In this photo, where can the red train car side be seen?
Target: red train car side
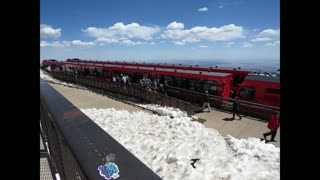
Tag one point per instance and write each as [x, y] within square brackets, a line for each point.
[187, 82]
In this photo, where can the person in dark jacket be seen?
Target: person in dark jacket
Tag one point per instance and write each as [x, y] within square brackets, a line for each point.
[235, 108]
[232, 94]
[206, 102]
[273, 125]
[162, 90]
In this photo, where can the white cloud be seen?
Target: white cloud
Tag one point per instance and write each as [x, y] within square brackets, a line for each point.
[203, 9]
[179, 43]
[220, 6]
[47, 31]
[52, 44]
[260, 39]
[175, 25]
[120, 31]
[130, 43]
[276, 43]
[269, 32]
[177, 32]
[203, 46]
[66, 43]
[81, 43]
[103, 41]
[187, 40]
[246, 44]
[106, 40]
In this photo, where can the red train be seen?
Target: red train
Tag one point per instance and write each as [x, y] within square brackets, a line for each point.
[185, 82]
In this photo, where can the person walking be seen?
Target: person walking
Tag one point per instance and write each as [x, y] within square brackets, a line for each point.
[162, 90]
[206, 102]
[273, 125]
[235, 108]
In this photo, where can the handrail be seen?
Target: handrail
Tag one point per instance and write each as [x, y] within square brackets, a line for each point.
[190, 108]
[230, 99]
[133, 90]
[78, 146]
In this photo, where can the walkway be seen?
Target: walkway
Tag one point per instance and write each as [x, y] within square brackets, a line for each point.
[219, 120]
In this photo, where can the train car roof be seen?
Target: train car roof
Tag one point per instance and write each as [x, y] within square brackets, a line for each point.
[195, 72]
[174, 70]
[275, 79]
[175, 66]
[219, 74]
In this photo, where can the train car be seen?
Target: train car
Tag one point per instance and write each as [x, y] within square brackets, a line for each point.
[185, 79]
[238, 74]
[52, 64]
[260, 88]
[189, 83]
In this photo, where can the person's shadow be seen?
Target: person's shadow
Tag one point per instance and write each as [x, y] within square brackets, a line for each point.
[266, 141]
[228, 119]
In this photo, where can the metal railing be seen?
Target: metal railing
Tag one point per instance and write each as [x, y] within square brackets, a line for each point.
[246, 108]
[133, 90]
[78, 146]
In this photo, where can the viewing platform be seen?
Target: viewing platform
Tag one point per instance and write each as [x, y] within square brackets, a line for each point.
[216, 119]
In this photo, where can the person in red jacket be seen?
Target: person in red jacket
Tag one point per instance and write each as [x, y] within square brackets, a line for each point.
[273, 125]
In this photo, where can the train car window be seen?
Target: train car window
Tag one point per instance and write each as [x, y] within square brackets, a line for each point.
[87, 71]
[180, 82]
[162, 79]
[247, 92]
[104, 73]
[95, 72]
[211, 86]
[199, 86]
[191, 85]
[195, 85]
[213, 89]
[237, 79]
[174, 81]
[169, 80]
[272, 91]
[91, 72]
[136, 77]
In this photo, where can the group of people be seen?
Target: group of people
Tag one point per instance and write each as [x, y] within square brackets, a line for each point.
[121, 79]
[273, 123]
[153, 85]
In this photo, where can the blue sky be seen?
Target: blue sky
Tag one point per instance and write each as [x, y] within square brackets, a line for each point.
[156, 30]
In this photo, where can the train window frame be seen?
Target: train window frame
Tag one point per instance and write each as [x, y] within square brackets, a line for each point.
[195, 85]
[169, 80]
[211, 83]
[249, 94]
[180, 82]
